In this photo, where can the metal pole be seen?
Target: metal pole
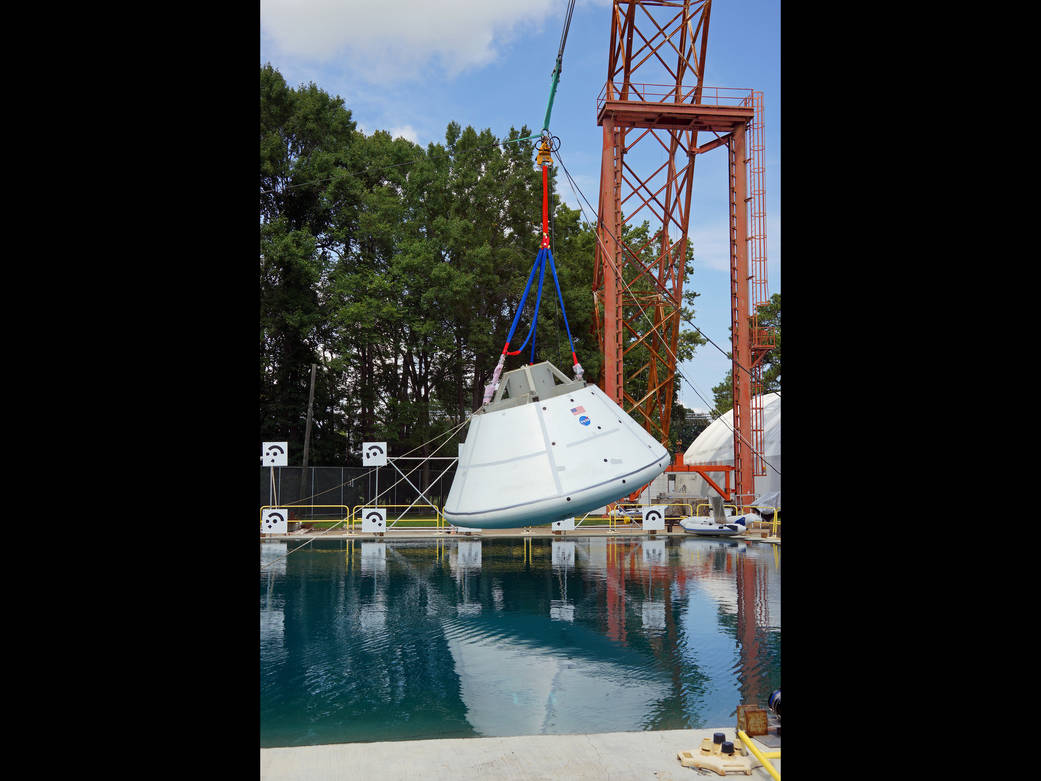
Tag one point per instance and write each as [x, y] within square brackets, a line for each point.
[307, 431]
[609, 228]
[740, 327]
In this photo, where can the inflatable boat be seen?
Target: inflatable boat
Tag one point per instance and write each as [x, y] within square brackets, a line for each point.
[709, 527]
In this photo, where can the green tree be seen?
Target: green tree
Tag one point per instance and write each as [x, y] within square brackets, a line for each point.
[638, 357]
[685, 427]
[723, 394]
[399, 270]
[422, 298]
[305, 137]
[769, 317]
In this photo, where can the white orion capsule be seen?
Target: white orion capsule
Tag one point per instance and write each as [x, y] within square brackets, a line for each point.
[546, 448]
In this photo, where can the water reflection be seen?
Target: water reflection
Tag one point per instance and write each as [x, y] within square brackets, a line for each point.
[563, 555]
[373, 557]
[402, 640]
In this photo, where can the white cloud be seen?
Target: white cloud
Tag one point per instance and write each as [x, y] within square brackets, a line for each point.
[405, 131]
[395, 39]
[711, 246]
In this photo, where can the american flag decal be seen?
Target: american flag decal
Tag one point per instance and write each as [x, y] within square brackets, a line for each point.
[577, 410]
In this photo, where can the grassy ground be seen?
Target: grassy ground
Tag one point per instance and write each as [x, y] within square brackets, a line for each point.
[404, 523]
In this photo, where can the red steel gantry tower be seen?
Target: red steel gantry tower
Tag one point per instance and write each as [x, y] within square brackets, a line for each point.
[653, 107]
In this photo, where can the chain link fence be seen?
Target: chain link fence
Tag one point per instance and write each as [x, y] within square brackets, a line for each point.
[296, 487]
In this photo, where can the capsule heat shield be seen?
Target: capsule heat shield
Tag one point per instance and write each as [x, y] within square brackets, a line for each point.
[548, 448]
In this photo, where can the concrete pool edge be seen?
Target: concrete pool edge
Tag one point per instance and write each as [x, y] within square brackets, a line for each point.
[420, 534]
[612, 755]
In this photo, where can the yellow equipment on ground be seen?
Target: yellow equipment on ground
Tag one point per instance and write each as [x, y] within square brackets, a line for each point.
[720, 756]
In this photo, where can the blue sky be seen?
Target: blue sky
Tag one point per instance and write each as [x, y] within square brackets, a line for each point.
[412, 66]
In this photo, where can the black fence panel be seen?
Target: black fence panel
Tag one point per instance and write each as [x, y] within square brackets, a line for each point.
[297, 486]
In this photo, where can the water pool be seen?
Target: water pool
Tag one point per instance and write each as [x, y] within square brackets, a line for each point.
[409, 640]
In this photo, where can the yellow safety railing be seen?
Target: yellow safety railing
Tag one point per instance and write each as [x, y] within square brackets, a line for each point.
[763, 757]
[627, 505]
[613, 517]
[774, 524]
[707, 504]
[439, 518]
[346, 518]
[622, 509]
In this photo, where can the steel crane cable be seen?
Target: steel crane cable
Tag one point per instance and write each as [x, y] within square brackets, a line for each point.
[719, 417]
[544, 160]
[366, 474]
[618, 241]
[558, 67]
[674, 357]
[545, 253]
[563, 35]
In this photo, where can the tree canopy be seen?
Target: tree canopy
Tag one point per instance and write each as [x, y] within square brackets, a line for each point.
[769, 317]
[397, 270]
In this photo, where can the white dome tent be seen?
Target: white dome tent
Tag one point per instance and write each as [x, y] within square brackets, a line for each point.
[715, 445]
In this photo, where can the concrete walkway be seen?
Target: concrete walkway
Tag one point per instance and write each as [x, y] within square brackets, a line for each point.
[612, 756]
[537, 532]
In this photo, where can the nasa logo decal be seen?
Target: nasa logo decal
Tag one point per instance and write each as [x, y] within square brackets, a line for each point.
[584, 420]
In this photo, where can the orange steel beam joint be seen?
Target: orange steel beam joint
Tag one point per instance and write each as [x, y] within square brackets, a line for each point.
[703, 470]
[652, 108]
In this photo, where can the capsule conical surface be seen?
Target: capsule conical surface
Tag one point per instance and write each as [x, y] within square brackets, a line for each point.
[548, 448]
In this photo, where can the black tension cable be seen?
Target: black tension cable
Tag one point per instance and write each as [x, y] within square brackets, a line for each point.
[558, 67]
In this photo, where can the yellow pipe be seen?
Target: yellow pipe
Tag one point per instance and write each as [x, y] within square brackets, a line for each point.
[759, 755]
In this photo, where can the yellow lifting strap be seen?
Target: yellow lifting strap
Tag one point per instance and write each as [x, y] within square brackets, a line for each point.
[544, 156]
